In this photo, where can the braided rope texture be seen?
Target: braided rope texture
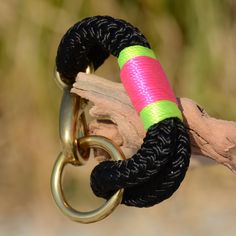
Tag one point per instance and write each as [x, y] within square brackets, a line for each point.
[91, 41]
[155, 172]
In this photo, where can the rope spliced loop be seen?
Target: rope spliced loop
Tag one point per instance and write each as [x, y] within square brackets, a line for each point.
[155, 172]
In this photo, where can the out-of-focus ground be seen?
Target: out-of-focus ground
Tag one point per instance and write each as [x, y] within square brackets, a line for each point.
[194, 40]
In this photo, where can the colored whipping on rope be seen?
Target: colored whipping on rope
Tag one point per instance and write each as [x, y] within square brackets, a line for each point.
[147, 85]
[155, 172]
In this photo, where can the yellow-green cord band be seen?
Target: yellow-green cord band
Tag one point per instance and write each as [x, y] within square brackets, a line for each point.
[158, 111]
[134, 51]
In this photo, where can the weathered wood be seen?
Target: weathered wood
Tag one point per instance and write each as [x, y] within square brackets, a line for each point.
[210, 137]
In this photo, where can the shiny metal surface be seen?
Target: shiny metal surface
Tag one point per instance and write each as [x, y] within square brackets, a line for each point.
[76, 145]
[72, 125]
[56, 182]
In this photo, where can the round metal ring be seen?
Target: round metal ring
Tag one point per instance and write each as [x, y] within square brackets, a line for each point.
[72, 125]
[61, 84]
[56, 183]
[72, 121]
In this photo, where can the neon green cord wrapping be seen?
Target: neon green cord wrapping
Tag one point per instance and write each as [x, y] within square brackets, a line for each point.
[158, 111]
[134, 51]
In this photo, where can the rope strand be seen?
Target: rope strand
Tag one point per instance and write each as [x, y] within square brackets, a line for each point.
[155, 172]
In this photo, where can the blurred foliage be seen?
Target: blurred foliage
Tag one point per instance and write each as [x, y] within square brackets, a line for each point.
[194, 40]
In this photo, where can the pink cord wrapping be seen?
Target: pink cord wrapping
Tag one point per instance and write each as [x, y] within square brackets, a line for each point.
[145, 82]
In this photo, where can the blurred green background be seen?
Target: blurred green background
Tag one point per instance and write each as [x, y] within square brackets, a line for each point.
[195, 42]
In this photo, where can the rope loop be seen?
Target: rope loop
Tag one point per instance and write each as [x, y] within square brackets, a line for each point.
[155, 172]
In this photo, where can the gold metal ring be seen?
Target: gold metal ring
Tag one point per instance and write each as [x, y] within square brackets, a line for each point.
[61, 84]
[72, 125]
[56, 183]
[72, 122]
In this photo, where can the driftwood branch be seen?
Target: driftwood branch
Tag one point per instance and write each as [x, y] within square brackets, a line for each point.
[116, 119]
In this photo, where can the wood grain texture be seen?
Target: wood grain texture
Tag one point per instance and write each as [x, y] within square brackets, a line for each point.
[116, 119]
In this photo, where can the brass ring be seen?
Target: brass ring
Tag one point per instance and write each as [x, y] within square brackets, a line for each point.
[60, 83]
[56, 183]
[72, 125]
[72, 122]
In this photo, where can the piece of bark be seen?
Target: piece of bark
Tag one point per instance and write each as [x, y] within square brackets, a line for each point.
[116, 119]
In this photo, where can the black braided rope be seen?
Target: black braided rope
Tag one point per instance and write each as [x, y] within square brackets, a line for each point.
[155, 172]
[91, 41]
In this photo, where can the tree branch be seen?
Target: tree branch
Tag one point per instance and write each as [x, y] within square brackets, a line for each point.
[116, 119]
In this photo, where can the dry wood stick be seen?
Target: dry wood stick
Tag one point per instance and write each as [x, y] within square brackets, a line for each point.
[210, 137]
